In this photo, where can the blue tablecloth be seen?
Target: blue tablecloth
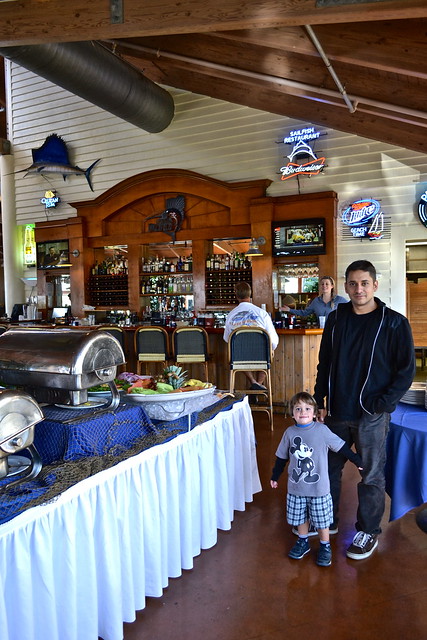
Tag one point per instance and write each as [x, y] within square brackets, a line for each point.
[406, 467]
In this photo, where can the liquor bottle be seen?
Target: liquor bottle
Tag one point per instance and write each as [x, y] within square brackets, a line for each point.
[208, 262]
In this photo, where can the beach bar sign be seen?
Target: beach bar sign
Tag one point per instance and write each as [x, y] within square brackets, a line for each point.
[364, 219]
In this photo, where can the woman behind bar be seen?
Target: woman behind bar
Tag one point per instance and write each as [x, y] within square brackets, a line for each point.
[326, 302]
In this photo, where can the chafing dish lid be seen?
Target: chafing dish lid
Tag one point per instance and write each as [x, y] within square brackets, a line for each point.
[58, 351]
[18, 411]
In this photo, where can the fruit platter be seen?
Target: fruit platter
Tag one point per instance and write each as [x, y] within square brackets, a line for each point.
[171, 395]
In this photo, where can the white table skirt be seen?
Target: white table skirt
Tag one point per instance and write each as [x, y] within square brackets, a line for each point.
[76, 568]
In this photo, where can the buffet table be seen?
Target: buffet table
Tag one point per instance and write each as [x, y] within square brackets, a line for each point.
[78, 567]
[406, 467]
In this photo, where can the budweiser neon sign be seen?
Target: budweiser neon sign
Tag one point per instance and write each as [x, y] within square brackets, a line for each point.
[299, 139]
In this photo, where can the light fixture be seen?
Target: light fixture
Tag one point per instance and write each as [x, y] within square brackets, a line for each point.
[254, 249]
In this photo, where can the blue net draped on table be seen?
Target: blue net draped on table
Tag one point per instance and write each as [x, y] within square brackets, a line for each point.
[94, 434]
[75, 451]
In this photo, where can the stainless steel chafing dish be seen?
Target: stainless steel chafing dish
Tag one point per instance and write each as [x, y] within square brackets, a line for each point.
[60, 365]
[19, 413]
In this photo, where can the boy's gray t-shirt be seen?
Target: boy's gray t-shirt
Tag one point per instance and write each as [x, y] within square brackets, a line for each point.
[306, 448]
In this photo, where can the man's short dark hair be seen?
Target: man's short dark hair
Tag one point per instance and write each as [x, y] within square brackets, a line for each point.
[242, 290]
[361, 265]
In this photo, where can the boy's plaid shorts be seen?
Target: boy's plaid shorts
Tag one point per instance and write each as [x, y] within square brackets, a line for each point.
[317, 509]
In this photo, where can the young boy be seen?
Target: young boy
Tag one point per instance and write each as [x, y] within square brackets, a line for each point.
[306, 446]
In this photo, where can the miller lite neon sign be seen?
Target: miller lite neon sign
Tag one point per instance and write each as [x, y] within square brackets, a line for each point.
[365, 219]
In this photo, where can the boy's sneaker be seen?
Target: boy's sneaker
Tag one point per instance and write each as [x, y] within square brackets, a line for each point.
[362, 546]
[313, 532]
[324, 555]
[300, 549]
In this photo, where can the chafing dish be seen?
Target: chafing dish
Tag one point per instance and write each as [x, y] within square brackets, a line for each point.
[19, 413]
[59, 365]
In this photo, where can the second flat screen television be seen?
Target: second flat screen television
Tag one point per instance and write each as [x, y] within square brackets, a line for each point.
[299, 237]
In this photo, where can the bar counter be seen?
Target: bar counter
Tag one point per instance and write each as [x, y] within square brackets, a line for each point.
[294, 363]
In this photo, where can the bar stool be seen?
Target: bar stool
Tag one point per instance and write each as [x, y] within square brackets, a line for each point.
[116, 332]
[249, 349]
[151, 345]
[119, 334]
[191, 345]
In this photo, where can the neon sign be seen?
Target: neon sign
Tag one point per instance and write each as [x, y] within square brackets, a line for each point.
[365, 219]
[29, 246]
[299, 139]
[50, 199]
[422, 209]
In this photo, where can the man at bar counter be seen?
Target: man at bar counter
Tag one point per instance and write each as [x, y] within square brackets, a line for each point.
[249, 315]
[366, 364]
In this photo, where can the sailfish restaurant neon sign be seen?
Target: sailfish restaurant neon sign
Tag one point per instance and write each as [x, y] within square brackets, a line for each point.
[299, 138]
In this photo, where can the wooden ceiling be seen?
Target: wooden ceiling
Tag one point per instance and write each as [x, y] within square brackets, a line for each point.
[262, 54]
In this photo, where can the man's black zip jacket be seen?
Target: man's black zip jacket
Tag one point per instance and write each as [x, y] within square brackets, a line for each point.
[372, 373]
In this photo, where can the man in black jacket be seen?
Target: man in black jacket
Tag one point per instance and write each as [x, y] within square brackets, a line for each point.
[366, 364]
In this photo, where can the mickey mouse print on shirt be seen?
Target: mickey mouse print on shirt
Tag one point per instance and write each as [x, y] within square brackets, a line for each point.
[305, 465]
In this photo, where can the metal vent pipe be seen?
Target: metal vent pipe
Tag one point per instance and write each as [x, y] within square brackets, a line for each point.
[94, 73]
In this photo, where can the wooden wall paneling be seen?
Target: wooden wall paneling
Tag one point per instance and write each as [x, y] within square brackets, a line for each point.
[417, 310]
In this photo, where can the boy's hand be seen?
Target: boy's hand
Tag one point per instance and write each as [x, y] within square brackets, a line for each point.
[274, 484]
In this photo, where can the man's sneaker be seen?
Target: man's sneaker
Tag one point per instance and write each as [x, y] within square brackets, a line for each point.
[300, 549]
[362, 546]
[313, 532]
[324, 555]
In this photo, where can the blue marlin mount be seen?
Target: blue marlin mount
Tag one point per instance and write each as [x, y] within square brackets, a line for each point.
[52, 157]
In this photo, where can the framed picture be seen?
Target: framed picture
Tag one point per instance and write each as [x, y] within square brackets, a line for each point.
[52, 255]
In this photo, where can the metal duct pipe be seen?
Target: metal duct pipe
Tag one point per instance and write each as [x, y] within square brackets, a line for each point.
[94, 73]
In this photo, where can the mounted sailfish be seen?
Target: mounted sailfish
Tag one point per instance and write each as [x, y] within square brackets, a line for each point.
[52, 157]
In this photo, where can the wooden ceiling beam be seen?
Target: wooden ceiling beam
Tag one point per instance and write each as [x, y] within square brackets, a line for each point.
[229, 59]
[396, 46]
[38, 21]
[367, 122]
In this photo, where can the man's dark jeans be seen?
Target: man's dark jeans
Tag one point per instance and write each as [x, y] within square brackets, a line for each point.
[369, 435]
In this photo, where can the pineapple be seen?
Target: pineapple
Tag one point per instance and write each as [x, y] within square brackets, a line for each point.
[175, 376]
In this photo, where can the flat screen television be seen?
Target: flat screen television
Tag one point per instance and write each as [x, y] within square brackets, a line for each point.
[299, 237]
[52, 255]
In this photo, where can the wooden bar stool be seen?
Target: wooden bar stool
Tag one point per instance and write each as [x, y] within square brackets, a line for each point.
[151, 345]
[249, 349]
[191, 345]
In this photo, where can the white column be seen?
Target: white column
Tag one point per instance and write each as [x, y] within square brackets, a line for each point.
[13, 286]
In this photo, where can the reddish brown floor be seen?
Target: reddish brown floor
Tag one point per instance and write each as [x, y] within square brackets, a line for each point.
[246, 588]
